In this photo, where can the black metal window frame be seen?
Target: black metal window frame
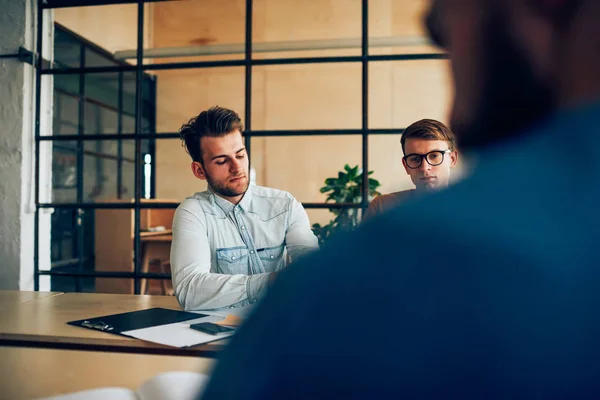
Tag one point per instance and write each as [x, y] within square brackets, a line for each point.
[76, 232]
[46, 68]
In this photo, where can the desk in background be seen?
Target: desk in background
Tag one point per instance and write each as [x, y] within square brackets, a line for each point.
[114, 244]
[156, 250]
[27, 373]
[43, 323]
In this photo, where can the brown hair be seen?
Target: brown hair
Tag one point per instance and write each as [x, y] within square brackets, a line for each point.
[214, 122]
[428, 129]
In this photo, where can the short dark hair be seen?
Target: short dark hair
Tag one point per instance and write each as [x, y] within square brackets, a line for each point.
[214, 122]
[428, 129]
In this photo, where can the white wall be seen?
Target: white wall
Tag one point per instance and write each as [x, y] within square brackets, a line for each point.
[17, 151]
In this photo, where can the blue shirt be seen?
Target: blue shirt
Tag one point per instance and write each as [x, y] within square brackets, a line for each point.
[490, 289]
[222, 253]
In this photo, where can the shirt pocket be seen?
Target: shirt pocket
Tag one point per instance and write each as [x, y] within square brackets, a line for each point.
[233, 260]
[272, 258]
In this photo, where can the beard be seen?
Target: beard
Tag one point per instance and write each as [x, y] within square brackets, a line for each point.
[513, 98]
[224, 189]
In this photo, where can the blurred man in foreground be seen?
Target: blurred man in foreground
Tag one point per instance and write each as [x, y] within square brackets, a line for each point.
[493, 295]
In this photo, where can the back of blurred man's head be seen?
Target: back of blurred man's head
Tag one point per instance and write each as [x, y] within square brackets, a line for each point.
[516, 61]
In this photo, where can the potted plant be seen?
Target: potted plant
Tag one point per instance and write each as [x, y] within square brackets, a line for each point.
[345, 188]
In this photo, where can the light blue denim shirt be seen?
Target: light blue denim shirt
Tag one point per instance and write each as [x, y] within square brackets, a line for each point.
[222, 254]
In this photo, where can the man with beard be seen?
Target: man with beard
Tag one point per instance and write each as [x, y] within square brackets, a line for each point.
[486, 290]
[230, 241]
[429, 156]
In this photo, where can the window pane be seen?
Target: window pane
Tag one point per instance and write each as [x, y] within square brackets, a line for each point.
[67, 49]
[397, 27]
[174, 178]
[101, 107]
[385, 159]
[317, 28]
[402, 92]
[110, 27]
[64, 172]
[64, 247]
[103, 166]
[72, 249]
[109, 103]
[193, 30]
[114, 246]
[102, 240]
[309, 96]
[182, 94]
[300, 165]
[66, 105]
[110, 96]
[72, 284]
[98, 57]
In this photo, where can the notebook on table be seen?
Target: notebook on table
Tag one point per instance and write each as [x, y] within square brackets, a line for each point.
[157, 325]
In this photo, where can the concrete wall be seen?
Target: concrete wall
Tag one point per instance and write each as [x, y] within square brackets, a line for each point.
[17, 205]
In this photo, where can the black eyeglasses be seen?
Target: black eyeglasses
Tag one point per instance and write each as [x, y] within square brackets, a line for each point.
[434, 158]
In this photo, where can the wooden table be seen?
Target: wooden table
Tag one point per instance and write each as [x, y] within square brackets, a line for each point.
[8, 298]
[43, 323]
[27, 373]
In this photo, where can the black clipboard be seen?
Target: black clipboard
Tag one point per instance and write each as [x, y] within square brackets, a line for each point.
[118, 323]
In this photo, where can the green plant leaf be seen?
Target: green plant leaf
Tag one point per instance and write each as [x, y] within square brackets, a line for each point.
[345, 188]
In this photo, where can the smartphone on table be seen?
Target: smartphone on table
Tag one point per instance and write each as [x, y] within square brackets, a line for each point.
[211, 329]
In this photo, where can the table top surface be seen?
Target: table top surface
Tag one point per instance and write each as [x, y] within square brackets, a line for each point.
[42, 322]
[12, 297]
[28, 373]
[157, 238]
[154, 233]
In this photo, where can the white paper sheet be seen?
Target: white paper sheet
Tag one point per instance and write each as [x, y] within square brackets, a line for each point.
[174, 385]
[179, 334]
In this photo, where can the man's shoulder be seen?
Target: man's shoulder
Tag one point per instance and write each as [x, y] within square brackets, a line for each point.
[269, 202]
[386, 202]
[196, 203]
[393, 198]
[266, 192]
[197, 198]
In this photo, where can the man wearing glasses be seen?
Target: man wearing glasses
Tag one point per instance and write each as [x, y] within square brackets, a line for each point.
[429, 156]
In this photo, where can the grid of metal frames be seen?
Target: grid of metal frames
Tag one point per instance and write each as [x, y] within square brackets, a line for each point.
[45, 68]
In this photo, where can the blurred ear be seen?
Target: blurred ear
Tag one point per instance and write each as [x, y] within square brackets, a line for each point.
[198, 170]
[405, 166]
[453, 158]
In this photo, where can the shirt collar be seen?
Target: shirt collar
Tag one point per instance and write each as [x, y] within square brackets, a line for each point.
[228, 206]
